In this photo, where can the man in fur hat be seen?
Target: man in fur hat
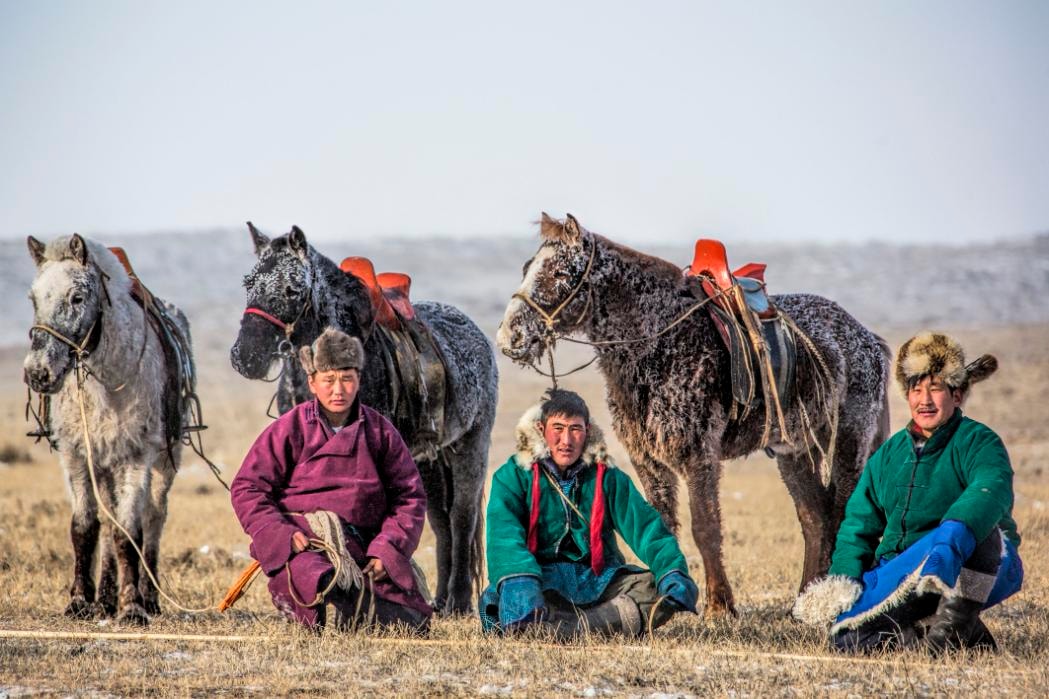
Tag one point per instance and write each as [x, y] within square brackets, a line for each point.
[332, 480]
[553, 513]
[928, 540]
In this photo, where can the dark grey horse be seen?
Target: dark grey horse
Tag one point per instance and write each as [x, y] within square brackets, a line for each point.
[670, 396]
[296, 284]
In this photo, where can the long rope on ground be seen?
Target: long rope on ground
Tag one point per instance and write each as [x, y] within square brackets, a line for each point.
[656, 647]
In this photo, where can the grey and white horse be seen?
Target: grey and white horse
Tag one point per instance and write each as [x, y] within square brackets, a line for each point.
[84, 313]
[670, 395]
[305, 292]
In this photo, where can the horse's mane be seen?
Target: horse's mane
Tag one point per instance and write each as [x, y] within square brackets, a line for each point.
[650, 265]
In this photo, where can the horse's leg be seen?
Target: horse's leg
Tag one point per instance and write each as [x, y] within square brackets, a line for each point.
[106, 599]
[437, 494]
[84, 534]
[800, 473]
[131, 486]
[703, 480]
[468, 461]
[154, 515]
[660, 485]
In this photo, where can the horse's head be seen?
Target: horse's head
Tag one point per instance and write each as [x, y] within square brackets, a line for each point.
[554, 296]
[279, 302]
[67, 296]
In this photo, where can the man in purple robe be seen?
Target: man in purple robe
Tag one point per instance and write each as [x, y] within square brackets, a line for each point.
[334, 457]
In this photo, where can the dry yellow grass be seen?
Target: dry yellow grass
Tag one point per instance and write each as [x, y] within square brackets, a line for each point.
[760, 653]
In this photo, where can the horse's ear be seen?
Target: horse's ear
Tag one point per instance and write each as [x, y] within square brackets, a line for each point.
[550, 228]
[573, 231]
[259, 240]
[297, 241]
[78, 248]
[36, 250]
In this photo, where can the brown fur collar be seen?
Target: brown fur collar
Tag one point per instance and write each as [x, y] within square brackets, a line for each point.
[531, 446]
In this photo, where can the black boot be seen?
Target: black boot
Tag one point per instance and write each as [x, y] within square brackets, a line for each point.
[357, 611]
[957, 625]
[617, 615]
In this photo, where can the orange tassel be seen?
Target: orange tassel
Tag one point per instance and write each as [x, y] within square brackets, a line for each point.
[238, 588]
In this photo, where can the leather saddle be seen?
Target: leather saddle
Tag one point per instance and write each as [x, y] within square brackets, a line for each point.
[181, 376]
[411, 355]
[750, 325]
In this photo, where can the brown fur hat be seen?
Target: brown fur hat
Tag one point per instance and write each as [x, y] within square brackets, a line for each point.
[334, 349]
[935, 354]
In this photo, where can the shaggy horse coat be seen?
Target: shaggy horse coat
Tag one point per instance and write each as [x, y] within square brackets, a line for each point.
[670, 396]
[82, 291]
[296, 284]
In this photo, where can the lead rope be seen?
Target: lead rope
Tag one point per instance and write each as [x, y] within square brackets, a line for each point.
[102, 506]
[550, 337]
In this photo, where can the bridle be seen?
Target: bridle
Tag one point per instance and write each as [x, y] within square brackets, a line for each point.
[550, 336]
[550, 319]
[285, 346]
[81, 350]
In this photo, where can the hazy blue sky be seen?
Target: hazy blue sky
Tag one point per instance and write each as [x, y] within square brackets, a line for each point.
[836, 120]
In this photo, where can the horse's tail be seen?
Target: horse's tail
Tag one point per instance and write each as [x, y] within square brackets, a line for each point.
[883, 418]
[477, 548]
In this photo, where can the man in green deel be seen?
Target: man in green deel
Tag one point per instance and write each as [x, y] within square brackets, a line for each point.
[553, 513]
[928, 540]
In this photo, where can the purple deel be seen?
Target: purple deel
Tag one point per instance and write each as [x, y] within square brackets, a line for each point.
[363, 473]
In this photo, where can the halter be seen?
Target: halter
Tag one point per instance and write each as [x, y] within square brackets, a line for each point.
[550, 319]
[285, 345]
[79, 350]
[550, 337]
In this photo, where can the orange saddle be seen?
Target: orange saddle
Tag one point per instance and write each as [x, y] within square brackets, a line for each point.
[710, 264]
[388, 292]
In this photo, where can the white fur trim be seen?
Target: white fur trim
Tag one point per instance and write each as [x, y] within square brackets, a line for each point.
[824, 599]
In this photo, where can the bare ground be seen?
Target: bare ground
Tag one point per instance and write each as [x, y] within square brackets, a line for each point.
[760, 653]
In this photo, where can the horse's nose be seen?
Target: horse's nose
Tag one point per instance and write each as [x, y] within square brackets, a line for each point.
[38, 376]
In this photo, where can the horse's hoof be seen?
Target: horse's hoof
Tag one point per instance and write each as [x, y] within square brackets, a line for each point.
[151, 606]
[719, 612]
[453, 609]
[133, 614]
[80, 608]
[100, 610]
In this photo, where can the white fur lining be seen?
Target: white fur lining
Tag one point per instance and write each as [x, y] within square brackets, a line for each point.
[531, 446]
[824, 599]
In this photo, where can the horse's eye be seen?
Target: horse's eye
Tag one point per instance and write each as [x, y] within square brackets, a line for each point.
[289, 291]
[77, 299]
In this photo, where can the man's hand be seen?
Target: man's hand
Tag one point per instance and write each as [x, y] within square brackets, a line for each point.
[299, 542]
[376, 568]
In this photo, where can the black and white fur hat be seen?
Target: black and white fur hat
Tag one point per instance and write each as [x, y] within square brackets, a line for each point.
[334, 349]
[935, 354]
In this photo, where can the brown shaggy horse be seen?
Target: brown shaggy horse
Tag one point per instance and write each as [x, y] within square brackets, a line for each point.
[670, 396]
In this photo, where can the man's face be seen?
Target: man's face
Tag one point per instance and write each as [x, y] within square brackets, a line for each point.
[565, 435]
[335, 390]
[932, 403]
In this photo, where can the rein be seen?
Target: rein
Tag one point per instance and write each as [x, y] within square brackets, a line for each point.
[88, 455]
[550, 336]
